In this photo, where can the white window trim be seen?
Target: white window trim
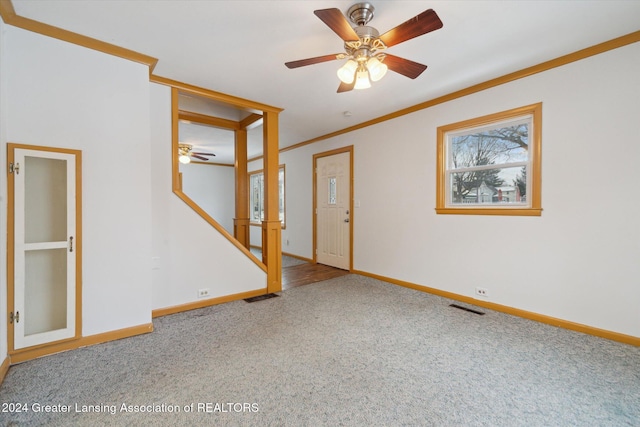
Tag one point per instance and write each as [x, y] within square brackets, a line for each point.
[252, 221]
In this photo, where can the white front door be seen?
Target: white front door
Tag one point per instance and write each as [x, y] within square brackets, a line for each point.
[45, 245]
[333, 210]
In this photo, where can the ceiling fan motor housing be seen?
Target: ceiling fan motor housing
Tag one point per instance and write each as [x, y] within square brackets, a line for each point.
[368, 44]
[361, 13]
[184, 149]
[365, 31]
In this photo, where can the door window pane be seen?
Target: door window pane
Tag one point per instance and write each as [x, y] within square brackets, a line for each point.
[45, 210]
[332, 190]
[45, 302]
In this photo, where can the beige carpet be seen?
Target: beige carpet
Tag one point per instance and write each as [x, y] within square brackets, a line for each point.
[350, 351]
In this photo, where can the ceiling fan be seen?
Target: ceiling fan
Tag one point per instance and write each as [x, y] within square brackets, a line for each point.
[185, 154]
[364, 46]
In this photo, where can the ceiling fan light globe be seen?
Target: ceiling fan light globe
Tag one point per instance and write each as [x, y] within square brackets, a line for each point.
[362, 80]
[377, 69]
[347, 72]
[184, 159]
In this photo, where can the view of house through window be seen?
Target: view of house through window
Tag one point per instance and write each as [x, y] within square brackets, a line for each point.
[489, 163]
[256, 196]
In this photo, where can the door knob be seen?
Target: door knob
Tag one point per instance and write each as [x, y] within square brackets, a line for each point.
[346, 220]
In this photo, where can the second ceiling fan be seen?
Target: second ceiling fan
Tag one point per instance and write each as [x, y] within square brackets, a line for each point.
[185, 153]
[365, 47]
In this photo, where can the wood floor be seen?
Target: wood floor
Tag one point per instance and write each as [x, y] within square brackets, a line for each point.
[305, 274]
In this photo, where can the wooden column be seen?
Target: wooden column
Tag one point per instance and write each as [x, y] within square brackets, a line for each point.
[271, 226]
[241, 220]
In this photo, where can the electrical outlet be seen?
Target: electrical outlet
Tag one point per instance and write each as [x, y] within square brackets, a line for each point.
[482, 292]
[202, 293]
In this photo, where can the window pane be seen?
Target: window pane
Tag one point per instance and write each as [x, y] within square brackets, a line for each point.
[490, 165]
[256, 197]
[505, 144]
[500, 186]
[281, 194]
[332, 191]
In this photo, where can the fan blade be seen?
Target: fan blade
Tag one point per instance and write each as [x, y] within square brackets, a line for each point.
[202, 154]
[346, 87]
[421, 24]
[199, 157]
[403, 66]
[335, 20]
[311, 61]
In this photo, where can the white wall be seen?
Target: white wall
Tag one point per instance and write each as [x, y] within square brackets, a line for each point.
[143, 248]
[577, 262]
[213, 188]
[255, 236]
[188, 253]
[62, 95]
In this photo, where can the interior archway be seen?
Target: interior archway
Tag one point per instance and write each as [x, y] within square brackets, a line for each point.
[248, 120]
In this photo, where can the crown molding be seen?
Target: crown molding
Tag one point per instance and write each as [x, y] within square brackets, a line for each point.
[526, 72]
[9, 16]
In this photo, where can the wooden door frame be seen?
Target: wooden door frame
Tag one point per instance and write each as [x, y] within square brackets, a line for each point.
[11, 247]
[347, 149]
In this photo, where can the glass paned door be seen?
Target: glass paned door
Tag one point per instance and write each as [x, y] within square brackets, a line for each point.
[44, 188]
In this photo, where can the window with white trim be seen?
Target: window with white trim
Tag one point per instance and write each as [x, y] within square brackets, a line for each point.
[491, 165]
[256, 196]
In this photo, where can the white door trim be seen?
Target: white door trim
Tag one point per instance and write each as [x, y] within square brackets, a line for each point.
[18, 248]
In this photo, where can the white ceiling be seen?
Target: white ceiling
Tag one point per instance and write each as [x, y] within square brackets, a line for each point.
[240, 47]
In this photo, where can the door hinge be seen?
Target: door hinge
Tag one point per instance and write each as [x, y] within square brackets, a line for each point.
[14, 168]
[15, 317]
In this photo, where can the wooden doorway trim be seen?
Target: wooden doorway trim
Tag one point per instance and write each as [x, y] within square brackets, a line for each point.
[347, 149]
